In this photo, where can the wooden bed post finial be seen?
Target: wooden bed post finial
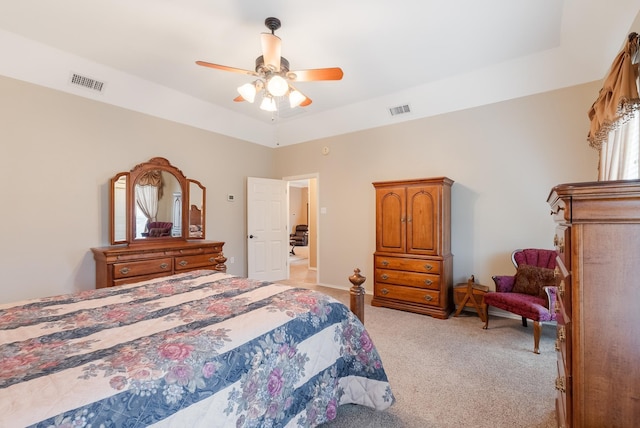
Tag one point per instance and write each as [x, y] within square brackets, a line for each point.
[357, 294]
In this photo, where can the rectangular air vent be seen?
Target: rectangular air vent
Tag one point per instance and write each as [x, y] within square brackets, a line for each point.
[403, 109]
[86, 82]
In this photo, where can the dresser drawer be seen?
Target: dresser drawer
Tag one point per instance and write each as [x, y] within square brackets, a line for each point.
[194, 262]
[413, 265]
[410, 294]
[412, 279]
[145, 267]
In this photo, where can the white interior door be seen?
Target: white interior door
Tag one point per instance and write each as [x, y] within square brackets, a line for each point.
[267, 230]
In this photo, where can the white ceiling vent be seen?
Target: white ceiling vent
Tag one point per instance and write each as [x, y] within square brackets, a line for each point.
[86, 82]
[403, 109]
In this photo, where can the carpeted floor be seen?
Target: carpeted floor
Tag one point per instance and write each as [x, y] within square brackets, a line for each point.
[452, 373]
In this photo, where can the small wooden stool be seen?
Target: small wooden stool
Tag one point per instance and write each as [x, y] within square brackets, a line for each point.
[471, 294]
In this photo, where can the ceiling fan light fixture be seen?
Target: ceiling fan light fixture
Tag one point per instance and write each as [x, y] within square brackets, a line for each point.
[248, 91]
[296, 98]
[268, 104]
[277, 86]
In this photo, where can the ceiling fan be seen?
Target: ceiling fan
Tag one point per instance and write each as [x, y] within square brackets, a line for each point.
[274, 79]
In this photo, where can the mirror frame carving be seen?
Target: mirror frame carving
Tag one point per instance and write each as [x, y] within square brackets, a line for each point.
[116, 206]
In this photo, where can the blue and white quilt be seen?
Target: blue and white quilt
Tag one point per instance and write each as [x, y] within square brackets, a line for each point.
[195, 349]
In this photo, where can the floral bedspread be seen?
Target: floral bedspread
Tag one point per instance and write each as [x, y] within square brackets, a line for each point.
[196, 349]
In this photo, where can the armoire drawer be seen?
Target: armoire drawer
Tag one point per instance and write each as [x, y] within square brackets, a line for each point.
[413, 265]
[409, 294]
[145, 267]
[193, 262]
[412, 279]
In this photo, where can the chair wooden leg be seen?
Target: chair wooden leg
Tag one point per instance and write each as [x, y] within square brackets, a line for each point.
[486, 317]
[537, 329]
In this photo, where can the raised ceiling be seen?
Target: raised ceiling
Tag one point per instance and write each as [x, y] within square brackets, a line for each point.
[434, 56]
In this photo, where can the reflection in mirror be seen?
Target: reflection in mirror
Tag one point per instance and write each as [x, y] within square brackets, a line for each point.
[119, 209]
[153, 202]
[156, 194]
[196, 215]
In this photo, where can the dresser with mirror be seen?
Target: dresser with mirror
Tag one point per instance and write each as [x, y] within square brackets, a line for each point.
[156, 226]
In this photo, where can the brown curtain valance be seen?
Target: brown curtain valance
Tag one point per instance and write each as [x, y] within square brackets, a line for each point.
[152, 178]
[618, 97]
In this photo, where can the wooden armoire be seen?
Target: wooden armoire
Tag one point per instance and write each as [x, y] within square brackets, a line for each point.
[598, 307]
[413, 261]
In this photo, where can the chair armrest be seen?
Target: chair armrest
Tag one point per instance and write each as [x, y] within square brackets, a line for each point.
[504, 283]
[551, 297]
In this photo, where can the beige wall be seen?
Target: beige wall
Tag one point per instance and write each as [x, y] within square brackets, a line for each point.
[58, 152]
[504, 158]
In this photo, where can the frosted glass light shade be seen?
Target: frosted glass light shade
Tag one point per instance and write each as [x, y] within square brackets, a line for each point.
[268, 104]
[248, 92]
[277, 86]
[296, 98]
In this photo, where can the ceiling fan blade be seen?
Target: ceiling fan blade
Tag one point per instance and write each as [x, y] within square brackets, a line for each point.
[333, 73]
[271, 49]
[238, 99]
[306, 102]
[226, 68]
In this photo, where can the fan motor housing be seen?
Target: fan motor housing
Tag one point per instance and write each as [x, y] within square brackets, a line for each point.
[260, 67]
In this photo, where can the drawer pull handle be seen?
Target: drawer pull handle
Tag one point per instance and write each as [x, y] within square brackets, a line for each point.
[428, 267]
[561, 288]
[183, 263]
[385, 276]
[124, 270]
[164, 266]
[558, 242]
[428, 298]
[385, 263]
[428, 281]
[560, 385]
[212, 259]
[384, 291]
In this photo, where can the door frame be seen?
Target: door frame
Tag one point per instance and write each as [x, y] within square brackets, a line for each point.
[315, 176]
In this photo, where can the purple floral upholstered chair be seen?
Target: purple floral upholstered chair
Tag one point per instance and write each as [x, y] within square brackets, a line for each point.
[530, 293]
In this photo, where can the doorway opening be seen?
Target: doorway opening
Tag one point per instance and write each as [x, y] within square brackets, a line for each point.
[303, 255]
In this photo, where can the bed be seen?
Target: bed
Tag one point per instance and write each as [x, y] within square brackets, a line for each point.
[195, 222]
[201, 348]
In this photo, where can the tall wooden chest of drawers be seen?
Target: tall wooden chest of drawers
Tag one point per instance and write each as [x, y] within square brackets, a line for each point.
[413, 262]
[598, 343]
[125, 264]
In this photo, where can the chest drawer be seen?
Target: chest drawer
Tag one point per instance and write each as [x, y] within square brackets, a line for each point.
[144, 267]
[413, 265]
[410, 294]
[194, 262]
[412, 279]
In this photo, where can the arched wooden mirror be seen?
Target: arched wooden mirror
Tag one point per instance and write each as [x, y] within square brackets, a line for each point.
[155, 201]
